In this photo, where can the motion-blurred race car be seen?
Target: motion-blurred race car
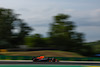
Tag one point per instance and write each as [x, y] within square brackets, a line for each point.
[43, 59]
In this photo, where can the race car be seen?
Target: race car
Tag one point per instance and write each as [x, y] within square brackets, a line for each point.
[42, 59]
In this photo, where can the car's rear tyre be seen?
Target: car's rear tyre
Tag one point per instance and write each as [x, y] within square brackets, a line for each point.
[50, 60]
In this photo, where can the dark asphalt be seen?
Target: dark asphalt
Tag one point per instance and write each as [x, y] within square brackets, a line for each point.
[48, 63]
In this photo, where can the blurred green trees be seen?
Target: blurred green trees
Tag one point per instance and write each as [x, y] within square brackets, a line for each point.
[38, 41]
[63, 35]
[9, 22]
[95, 46]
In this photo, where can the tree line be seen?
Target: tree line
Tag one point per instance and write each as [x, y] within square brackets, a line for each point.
[62, 35]
[9, 23]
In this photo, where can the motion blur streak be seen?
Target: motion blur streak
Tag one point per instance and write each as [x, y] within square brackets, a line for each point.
[45, 66]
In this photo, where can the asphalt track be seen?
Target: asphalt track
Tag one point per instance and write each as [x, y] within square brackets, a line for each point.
[29, 62]
[47, 66]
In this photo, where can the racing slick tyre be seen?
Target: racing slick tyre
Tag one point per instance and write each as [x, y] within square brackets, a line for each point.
[50, 60]
[54, 60]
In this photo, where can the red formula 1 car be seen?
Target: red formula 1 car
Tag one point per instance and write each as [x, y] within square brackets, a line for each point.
[42, 59]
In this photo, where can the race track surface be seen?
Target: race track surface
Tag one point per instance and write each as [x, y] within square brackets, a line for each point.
[29, 62]
[47, 66]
